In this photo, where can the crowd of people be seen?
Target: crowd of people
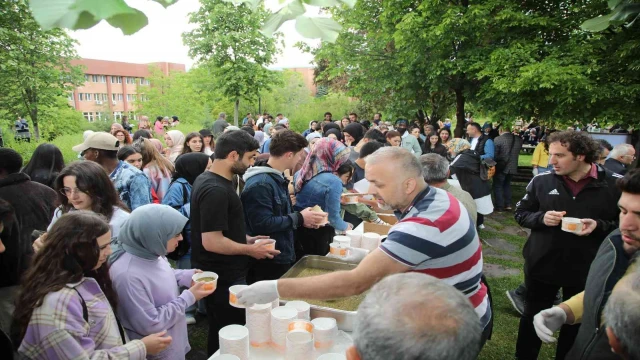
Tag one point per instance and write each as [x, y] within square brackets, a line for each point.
[86, 246]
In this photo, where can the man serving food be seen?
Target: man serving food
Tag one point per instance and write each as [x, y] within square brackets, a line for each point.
[434, 235]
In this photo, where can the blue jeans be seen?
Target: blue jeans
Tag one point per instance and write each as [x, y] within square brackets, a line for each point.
[185, 263]
[502, 190]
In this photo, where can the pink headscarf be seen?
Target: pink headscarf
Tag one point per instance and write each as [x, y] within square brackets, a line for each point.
[327, 156]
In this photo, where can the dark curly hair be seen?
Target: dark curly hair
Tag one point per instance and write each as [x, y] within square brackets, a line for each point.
[578, 143]
[69, 253]
[630, 183]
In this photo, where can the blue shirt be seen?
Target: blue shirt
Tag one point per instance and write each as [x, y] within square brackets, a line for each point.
[132, 185]
[323, 190]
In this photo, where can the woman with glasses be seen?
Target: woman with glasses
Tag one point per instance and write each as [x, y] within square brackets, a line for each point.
[67, 303]
[84, 185]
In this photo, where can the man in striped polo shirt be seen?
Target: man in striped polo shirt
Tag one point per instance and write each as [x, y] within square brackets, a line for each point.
[435, 235]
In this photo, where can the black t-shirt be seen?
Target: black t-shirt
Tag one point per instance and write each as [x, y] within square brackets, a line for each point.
[215, 206]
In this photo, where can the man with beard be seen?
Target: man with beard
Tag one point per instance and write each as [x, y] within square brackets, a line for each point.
[218, 238]
[611, 263]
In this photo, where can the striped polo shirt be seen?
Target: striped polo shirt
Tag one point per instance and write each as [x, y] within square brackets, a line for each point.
[437, 237]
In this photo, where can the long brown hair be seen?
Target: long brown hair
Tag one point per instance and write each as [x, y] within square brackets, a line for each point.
[69, 253]
[151, 155]
[92, 180]
[186, 149]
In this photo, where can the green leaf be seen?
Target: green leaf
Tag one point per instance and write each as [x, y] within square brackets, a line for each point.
[103, 9]
[54, 13]
[596, 24]
[253, 4]
[327, 3]
[289, 12]
[625, 11]
[166, 3]
[86, 21]
[129, 23]
[614, 3]
[324, 28]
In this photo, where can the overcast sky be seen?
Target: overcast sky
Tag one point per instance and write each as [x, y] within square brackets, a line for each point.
[161, 40]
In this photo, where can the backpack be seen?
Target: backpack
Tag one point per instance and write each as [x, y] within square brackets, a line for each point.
[185, 244]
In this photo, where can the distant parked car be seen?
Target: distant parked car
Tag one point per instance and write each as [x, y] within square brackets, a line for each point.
[22, 131]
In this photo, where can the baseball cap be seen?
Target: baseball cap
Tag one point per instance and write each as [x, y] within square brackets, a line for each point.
[98, 140]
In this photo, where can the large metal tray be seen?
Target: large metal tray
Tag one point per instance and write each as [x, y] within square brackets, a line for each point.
[345, 319]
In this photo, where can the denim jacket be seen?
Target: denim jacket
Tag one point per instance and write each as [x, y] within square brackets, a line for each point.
[175, 197]
[268, 211]
[324, 190]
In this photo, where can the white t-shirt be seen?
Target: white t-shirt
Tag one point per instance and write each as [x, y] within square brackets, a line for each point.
[118, 218]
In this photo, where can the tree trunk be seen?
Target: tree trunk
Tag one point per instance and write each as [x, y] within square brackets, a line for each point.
[34, 119]
[235, 112]
[460, 120]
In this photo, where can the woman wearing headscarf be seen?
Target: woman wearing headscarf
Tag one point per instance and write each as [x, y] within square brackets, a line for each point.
[174, 140]
[312, 138]
[466, 169]
[145, 283]
[330, 126]
[317, 184]
[353, 134]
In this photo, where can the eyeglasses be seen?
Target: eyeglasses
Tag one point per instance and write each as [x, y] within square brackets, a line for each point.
[69, 191]
[633, 156]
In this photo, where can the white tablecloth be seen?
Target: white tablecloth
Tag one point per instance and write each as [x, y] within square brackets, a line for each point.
[343, 342]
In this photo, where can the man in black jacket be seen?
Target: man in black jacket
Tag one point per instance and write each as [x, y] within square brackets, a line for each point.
[554, 258]
[33, 205]
[611, 263]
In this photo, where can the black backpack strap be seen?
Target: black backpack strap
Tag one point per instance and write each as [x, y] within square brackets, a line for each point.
[85, 311]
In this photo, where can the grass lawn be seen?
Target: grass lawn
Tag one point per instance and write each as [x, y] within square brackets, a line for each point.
[525, 159]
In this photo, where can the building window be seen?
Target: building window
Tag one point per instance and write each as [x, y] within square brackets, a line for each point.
[132, 115]
[116, 97]
[70, 96]
[88, 116]
[132, 97]
[144, 81]
[94, 78]
[105, 97]
[116, 79]
[88, 96]
[117, 115]
[131, 80]
[98, 116]
[86, 77]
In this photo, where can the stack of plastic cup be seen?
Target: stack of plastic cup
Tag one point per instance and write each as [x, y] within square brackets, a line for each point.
[303, 309]
[325, 331]
[234, 340]
[299, 346]
[226, 357]
[233, 295]
[275, 303]
[259, 324]
[356, 238]
[370, 241]
[332, 356]
[345, 241]
[280, 319]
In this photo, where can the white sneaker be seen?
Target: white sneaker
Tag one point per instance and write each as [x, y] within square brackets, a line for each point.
[481, 227]
[191, 320]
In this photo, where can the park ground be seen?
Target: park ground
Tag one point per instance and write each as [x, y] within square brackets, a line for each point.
[503, 240]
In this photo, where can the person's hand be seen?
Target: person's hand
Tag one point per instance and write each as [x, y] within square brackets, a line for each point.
[156, 343]
[252, 239]
[313, 219]
[588, 225]
[39, 242]
[349, 227]
[546, 322]
[343, 200]
[553, 218]
[347, 142]
[199, 292]
[293, 199]
[262, 292]
[262, 251]
[535, 171]
[195, 271]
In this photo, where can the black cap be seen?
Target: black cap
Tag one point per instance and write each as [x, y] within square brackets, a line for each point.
[205, 132]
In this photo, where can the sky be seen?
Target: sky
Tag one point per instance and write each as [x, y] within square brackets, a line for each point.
[161, 39]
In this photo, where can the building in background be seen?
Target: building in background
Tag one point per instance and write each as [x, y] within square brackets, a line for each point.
[112, 89]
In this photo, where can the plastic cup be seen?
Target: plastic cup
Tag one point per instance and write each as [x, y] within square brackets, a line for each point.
[275, 303]
[352, 199]
[370, 241]
[332, 356]
[301, 325]
[303, 309]
[271, 242]
[259, 324]
[209, 285]
[233, 295]
[572, 225]
[345, 241]
[280, 319]
[299, 346]
[338, 250]
[356, 238]
[234, 340]
[325, 331]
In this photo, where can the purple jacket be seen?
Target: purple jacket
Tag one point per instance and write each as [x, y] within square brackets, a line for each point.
[57, 329]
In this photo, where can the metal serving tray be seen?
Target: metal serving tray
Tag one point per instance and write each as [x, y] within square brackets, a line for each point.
[345, 319]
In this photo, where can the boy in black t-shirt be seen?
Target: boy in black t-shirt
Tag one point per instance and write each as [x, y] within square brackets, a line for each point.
[218, 239]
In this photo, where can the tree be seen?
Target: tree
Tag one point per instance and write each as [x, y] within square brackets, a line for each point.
[35, 64]
[228, 44]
